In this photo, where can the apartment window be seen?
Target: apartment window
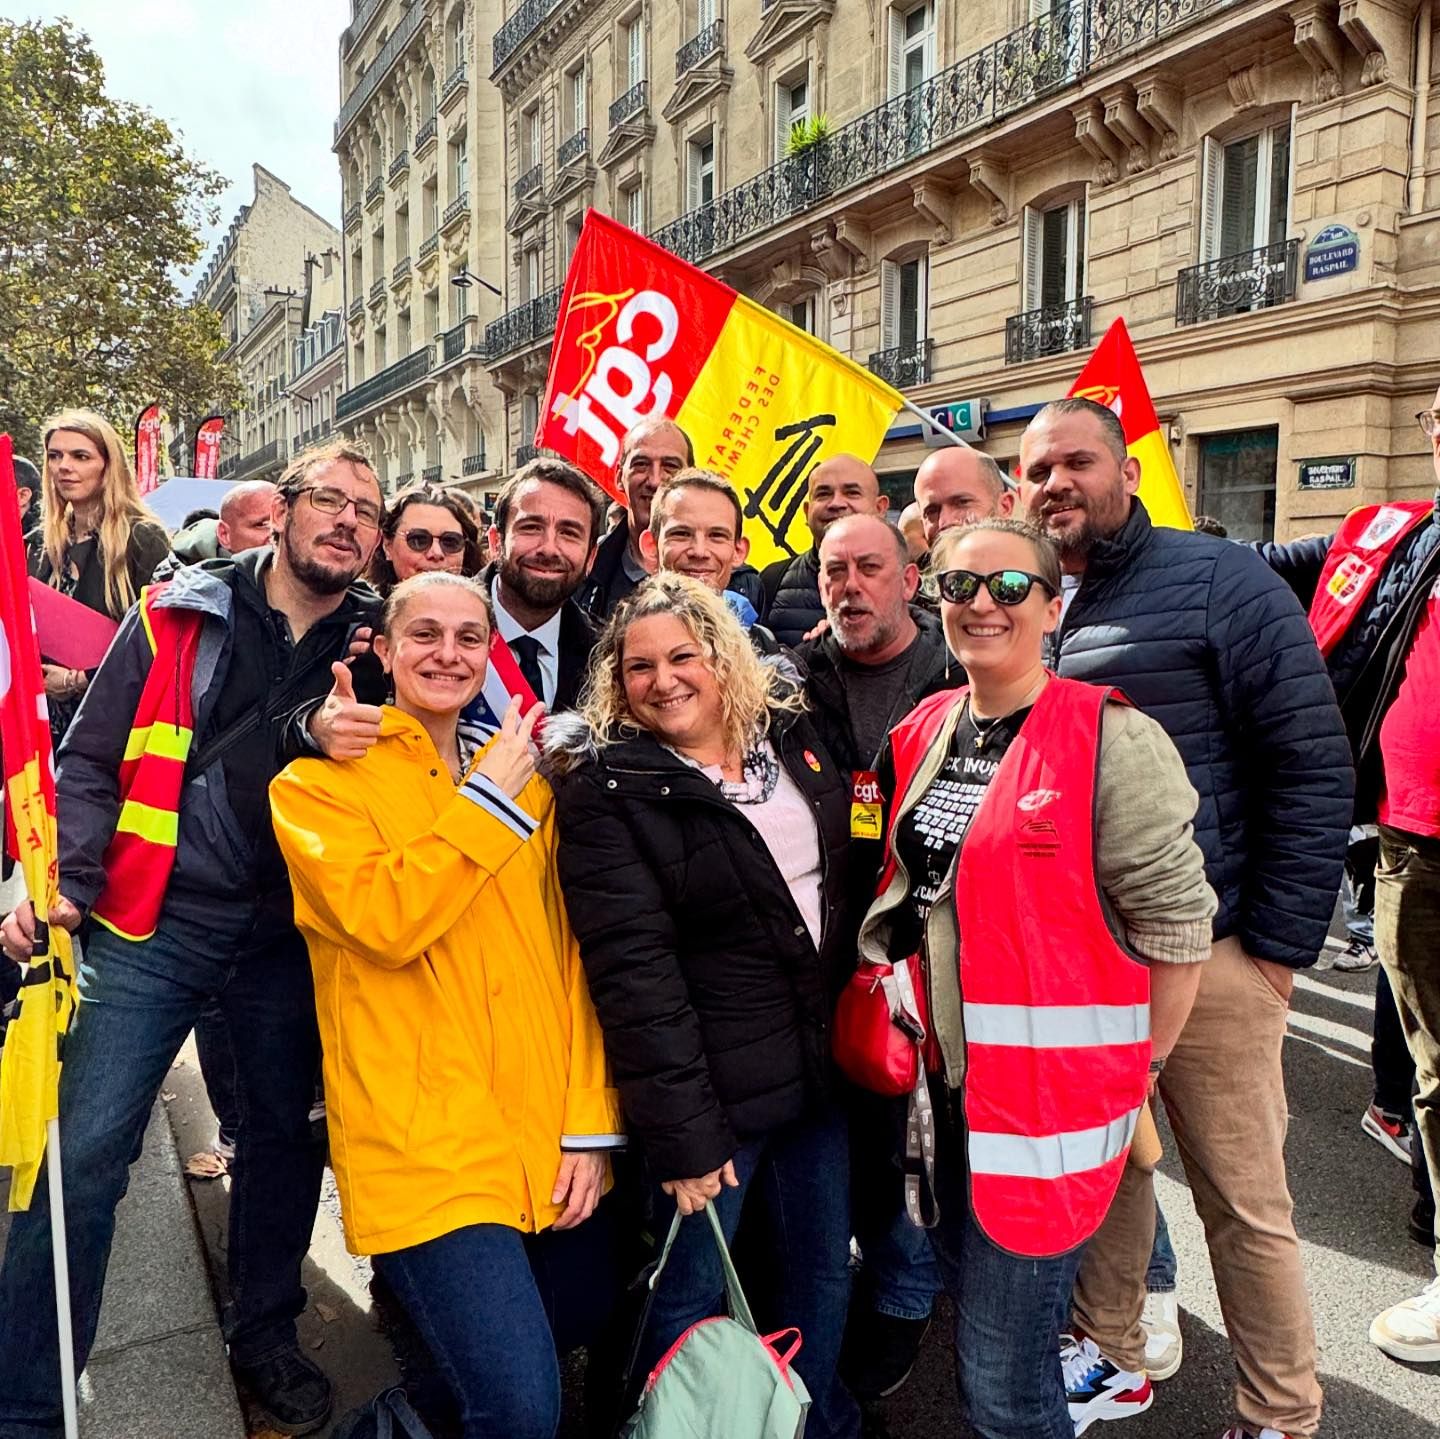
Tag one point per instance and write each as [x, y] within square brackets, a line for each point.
[792, 107]
[380, 348]
[634, 52]
[455, 39]
[430, 207]
[1237, 481]
[704, 15]
[427, 94]
[572, 237]
[904, 301]
[801, 314]
[432, 315]
[377, 254]
[635, 208]
[912, 46]
[575, 103]
[1245, 193]
[533, 275]
[1053, 241]
[358, 364]
[529, 416]
[459, 168]
[531, 130]
[402, 334]
[702, 170]
[461, 294]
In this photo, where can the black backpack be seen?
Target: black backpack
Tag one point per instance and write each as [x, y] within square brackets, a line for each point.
[386, 1416]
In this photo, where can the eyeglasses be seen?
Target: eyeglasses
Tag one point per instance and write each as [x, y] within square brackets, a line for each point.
[1429, 422]
[451, 541]
[1007, 587]
[333, 502]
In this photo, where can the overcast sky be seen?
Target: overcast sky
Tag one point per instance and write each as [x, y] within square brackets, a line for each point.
[246, 81]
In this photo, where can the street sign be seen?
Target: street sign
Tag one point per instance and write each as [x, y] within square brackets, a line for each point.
[1335, 473]
[965, 418]
[1334, 251]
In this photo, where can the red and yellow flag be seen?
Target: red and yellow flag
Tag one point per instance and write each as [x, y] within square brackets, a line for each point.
[30, 1060]
[643, 333]
[1113, 378]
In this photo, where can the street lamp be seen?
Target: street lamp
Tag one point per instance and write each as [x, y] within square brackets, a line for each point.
[465, 279]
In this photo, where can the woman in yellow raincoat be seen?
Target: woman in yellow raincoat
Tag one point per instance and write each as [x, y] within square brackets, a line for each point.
[469, 1106]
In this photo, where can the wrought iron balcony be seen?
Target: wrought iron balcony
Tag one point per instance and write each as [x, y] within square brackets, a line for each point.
[524, 325]
[517, 29]
[473, 464]
[454, 210]
[374, 190]
[572, 149]
[1236, 284]
[260, 459]
[700, 47]
[399, 165]
[531, 181]
[377, 290]
[430, 475]
[1006, 76]
[525, 453]
[357, 307]
[454, 85]
[226, 468]
[631, 103]
[228, 281]
[352, 216]
[428, 247]
[453, 341]
[361, 14]
[1050, 330]
[402, 268]
[380, 67]
[390, 381]
[425, 134]
[903, 366]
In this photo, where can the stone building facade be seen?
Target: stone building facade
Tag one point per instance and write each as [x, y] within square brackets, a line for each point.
[1250, 183]
[419, 142]
[278, 261]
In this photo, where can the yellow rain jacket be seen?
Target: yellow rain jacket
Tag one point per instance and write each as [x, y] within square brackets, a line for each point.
[461, 1048]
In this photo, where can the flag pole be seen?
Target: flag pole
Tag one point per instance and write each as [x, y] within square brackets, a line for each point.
[64, 1328]
[949, 436]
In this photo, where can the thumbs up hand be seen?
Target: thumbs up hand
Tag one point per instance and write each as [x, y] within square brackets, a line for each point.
[342, 726]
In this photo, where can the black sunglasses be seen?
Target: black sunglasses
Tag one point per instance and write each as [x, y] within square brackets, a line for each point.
[1007, 587]
[451, 543]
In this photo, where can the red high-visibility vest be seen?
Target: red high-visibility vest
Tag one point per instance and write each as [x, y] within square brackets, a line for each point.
[1056, 1010]
[141, 854]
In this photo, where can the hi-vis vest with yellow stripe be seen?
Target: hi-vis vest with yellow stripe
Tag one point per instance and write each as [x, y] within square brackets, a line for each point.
[141, 855]
[1056, 1011]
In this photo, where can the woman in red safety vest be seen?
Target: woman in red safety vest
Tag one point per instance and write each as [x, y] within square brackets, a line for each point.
[1044, 905]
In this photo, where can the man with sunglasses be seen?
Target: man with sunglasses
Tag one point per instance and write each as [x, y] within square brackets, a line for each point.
[186, 903]
[1203, 636]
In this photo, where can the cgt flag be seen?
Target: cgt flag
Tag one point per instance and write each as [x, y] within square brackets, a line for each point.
[206, 462]
[148, 425]
[30, 1059]
[1113, 378]
[642, 333]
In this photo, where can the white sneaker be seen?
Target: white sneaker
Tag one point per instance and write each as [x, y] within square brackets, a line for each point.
[1164, 1344]
[1095, 1389]
[1411, 1330]
[1239, 1431]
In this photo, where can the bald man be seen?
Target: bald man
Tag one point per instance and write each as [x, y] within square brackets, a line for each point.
[957, 485]
[650, 453]
[244, 522]
[840, 486]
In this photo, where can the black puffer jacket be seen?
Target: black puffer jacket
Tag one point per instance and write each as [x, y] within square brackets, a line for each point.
[1366, 667]
[1204, 637]
[792, 597]
[714, 1002]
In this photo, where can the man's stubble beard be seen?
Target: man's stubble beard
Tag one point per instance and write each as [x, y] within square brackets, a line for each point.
[547, 591]
[313, 575]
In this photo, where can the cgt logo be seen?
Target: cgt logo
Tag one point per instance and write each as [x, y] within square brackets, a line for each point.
[1036, 799]
[619, 386]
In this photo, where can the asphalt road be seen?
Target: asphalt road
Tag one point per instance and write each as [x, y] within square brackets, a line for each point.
[1351, 1201]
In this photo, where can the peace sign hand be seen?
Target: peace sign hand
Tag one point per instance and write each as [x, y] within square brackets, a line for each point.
[509, 762]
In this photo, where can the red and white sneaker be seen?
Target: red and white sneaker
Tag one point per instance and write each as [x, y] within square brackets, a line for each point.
[1095, 1388]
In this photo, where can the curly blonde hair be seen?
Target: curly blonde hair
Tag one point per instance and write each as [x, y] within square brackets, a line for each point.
[750, 690]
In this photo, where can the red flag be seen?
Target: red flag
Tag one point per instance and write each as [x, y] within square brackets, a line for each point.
[206, 462]
[147, 449]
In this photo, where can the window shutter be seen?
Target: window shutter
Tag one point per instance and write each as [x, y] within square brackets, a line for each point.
[692, 187]
[889, 305]
[1031, 255]
[705, 15]
[782, 120]
[922, 298]
[897, 53]
[930, 39]
[1211, 163]
[637, 73]
[1080, 240]
[1039, 9]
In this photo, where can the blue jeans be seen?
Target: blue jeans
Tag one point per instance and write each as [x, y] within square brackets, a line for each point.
[1008, 1311]
[1160, 1276]
[138, 1002]
[801, 1176]
[493, 1304]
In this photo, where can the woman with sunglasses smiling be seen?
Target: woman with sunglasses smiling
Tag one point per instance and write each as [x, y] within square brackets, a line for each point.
[1043, 894]
[426, 527]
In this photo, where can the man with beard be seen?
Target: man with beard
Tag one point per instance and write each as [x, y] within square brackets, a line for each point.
[650, 453]
[1203, 636]
[188, 903]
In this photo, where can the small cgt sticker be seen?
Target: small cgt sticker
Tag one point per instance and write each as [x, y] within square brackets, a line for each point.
[812, 761]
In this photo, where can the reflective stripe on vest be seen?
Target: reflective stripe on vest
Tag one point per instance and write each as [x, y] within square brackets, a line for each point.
[156, 826]
[1051, 1156]
[1056, 1026]
[167, 741]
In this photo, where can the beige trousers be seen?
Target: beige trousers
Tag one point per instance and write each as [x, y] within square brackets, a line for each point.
[1224, 1090]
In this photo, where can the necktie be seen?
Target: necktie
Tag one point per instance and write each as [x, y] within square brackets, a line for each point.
[526, 649]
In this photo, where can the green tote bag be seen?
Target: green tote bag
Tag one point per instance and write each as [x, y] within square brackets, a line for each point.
[722, 1379]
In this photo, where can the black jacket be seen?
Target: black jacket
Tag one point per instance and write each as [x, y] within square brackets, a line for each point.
[1368, 663]
[149, 544]
[792, 597]
[714, 1002]
[607, 583]
[1204, 637]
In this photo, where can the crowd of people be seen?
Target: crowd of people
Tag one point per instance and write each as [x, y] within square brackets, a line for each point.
[565, 864]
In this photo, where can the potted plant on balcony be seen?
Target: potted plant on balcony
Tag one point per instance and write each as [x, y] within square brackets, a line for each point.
[805, 151]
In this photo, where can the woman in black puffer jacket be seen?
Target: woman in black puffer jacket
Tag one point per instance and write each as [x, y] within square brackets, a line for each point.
[703, 832]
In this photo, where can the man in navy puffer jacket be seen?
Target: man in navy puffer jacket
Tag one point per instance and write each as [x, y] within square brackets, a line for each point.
[1204, 637]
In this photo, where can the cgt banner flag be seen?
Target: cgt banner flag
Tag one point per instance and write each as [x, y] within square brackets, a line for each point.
[1113, 378]
[205, 464]
[148, 425]
[643, 333]
[30, 1059]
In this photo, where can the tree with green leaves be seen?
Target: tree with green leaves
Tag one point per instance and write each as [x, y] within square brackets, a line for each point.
[100, 210]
